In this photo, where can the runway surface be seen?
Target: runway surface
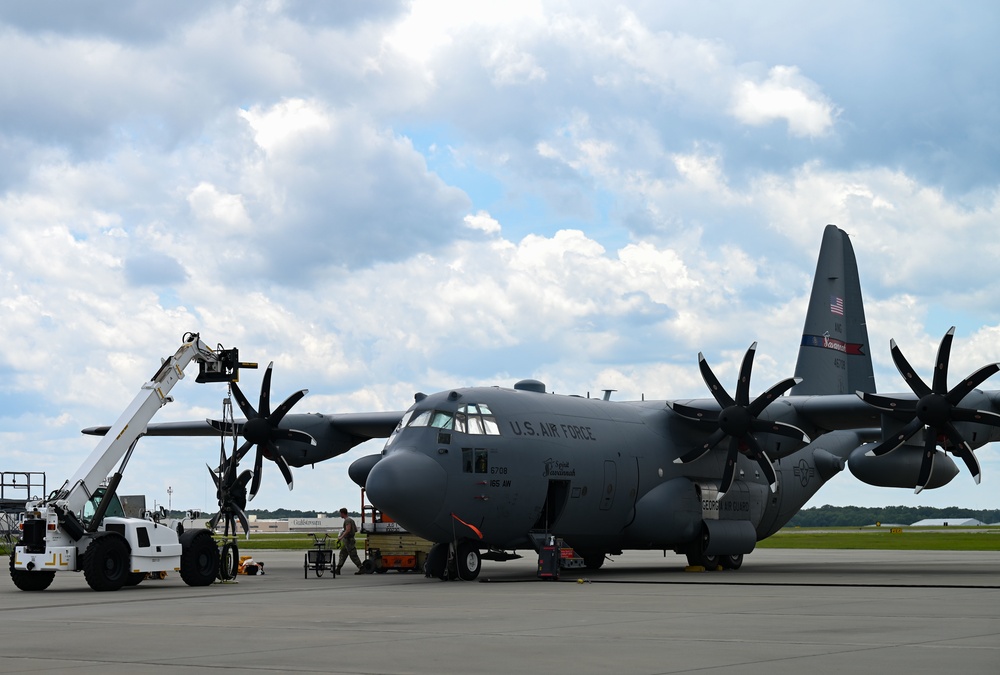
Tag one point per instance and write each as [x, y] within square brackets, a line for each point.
[785, 611]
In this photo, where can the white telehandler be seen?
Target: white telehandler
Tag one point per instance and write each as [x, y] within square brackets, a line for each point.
[81, 526]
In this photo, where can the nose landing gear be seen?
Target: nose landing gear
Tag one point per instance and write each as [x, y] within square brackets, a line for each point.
[446, 562]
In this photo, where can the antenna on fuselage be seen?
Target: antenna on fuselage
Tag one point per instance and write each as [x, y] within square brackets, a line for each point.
[607, 393]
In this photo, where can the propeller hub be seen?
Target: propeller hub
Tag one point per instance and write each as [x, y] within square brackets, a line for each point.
[934, 410]
[735, 420]
[257, 430]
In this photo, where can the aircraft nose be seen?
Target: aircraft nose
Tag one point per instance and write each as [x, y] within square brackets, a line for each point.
[408, 486]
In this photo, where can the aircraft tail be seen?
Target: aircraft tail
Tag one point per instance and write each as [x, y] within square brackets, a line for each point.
[834, 355]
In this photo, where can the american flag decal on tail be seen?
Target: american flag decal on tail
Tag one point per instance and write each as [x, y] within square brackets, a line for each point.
[837, 305]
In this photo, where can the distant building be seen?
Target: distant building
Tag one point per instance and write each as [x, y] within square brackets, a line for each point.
[948, 522]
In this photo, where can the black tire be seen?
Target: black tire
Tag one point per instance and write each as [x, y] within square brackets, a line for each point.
[199, 558]
[731, 562]
[593, 560]
[229, 561]
[106, 562]
[30, 581]
[436, 563]
[134, 578]
[468, 562]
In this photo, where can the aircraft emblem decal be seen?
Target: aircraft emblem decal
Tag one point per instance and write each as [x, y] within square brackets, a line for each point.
[827, 342]
[804, 472]
[555, 467]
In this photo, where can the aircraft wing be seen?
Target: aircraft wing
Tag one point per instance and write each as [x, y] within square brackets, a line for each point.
[331, 434]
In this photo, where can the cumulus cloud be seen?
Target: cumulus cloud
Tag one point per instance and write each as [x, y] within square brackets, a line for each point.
[784, 95]
[420, 196]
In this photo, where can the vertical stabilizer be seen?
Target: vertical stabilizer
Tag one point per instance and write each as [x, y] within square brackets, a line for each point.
[834, 356]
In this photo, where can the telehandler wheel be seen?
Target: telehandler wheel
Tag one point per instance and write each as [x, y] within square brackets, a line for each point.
[199, 558]
[106, 562]
[30, 581]
[135, 578]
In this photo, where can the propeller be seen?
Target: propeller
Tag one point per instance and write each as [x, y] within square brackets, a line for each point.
[936, 408]
[739, 421]
[231, 489]
[261, 429]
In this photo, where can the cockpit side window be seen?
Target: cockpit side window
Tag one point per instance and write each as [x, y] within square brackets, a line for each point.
[479, 420]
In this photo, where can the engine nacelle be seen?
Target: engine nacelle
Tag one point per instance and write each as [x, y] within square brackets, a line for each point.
[900, 468]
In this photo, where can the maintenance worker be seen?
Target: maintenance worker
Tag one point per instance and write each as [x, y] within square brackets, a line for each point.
[348, 547]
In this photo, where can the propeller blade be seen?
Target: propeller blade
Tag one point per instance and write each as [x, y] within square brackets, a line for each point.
[940, 383]
[781, 429]
[694, 454]
[730, 471]
[244, 521]
[913, 380]
[283, 409]
[765, 465]
[226, 427]
[292, 435]
[285, 470]
[976, 416]
[927, 465]
[743, 384]
[215, 478]
[692, 413]
[971, 461]
[889, 405]
[714, 386]
[765, 399]
[244, 449]
[965, 387]
[264, 409]
[897, 439]
[258, 466]
[242, 401]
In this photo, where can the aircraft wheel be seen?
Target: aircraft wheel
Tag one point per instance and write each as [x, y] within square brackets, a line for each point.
[436, 564]
[469, 562]
[731, 562]
[593, 560]
[199, 558]
[30, 581]
[709, 562]
[106, 562]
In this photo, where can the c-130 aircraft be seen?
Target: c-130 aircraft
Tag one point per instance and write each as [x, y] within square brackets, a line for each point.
[485, 471]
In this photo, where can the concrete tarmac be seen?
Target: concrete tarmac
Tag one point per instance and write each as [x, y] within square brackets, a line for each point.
[785, 611]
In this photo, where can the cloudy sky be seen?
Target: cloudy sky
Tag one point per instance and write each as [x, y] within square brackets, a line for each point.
[391, 197]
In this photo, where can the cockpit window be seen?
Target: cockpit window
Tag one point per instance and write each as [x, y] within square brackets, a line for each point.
[476, 419]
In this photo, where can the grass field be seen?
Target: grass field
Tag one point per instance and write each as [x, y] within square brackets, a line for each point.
[903, 539]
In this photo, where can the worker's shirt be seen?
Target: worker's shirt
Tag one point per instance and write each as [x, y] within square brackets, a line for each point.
[350, 528]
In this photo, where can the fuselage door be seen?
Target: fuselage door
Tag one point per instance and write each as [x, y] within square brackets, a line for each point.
[610, 484]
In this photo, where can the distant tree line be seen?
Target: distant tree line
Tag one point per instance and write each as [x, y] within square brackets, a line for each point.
[277, 514]
[859, 516]
[820, 516]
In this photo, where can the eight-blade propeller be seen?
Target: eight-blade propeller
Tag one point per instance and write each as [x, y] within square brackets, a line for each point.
[936, 408]
[738, 420]
[261, 429]
[231, 489]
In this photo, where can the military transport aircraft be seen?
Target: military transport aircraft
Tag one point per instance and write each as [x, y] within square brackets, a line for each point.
[486, 471]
